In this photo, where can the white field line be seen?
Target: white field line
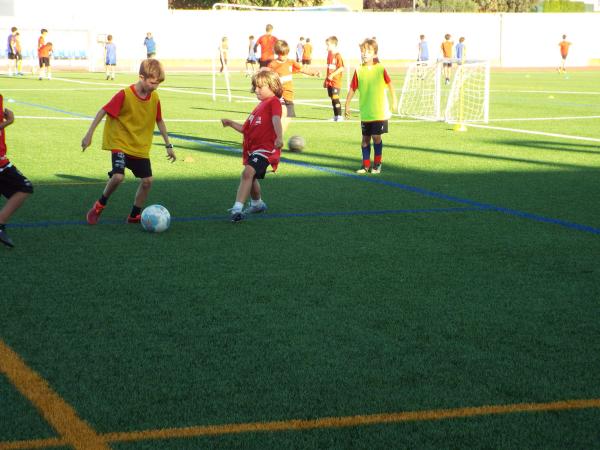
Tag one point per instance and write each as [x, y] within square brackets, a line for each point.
[529, 119]
[537, 133]
[241, 119]
[546, 92]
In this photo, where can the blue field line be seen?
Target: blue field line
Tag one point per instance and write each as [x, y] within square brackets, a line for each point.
[405, 187]
[50, 108]
[437, 195]
[58, 223]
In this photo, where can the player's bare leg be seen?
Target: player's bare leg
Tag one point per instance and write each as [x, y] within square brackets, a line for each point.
[142, 192]
[11, 205]
[244, 190]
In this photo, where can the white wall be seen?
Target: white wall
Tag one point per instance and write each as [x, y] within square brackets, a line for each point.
[509, 40]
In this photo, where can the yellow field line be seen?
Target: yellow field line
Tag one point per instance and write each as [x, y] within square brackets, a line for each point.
[58, 413]
[348, 421]
[35, 443]
[327, 422]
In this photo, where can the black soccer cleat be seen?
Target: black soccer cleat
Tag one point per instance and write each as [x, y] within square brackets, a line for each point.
[5, 239]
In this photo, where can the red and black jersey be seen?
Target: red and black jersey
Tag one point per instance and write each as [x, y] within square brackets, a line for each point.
[259, 133]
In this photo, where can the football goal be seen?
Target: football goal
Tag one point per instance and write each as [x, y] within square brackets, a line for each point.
[466, 101]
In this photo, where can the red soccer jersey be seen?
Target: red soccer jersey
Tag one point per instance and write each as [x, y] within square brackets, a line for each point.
[113, 107]
[267, 47]
[354, 82]
[334, 62]
[3, 159]
[259, 133]
[285, 69]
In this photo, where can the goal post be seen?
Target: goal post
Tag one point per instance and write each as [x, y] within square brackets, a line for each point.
[466, 101]
[421, 91]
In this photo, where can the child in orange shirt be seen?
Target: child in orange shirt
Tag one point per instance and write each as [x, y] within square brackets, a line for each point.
[285, 68]
[333, 80]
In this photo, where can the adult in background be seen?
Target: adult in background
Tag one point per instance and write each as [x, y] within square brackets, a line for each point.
[267, 47]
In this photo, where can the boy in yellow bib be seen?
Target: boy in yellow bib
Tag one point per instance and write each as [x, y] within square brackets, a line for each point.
[371, 80]
[128, 132]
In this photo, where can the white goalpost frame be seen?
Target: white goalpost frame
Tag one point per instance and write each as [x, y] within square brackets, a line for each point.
[414, 96]
[423, 71]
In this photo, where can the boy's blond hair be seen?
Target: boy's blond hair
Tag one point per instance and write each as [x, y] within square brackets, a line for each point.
[370, 43]
[152, 68]
[267, 78]
[282, 48]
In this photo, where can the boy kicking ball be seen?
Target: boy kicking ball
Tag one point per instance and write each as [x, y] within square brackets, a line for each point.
[263, 139]
[13, 185]
[128, 132]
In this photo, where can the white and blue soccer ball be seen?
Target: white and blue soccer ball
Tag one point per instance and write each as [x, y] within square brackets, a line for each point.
[156, 218]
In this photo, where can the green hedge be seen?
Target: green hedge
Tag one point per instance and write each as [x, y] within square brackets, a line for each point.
[563, 6]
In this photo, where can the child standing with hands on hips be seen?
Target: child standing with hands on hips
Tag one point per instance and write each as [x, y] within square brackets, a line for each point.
[263, 139]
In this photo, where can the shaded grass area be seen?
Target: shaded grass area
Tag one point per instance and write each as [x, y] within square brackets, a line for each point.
[304, 317]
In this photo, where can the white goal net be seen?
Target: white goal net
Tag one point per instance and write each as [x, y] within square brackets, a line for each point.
[466, 101]
[421, 91]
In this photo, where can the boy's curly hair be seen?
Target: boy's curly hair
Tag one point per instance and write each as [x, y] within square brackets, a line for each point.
[267, 78]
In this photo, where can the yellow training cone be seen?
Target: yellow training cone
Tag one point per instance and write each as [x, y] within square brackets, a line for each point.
[460, 127]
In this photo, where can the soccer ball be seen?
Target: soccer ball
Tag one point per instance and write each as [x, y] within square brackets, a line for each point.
[156, 219]
[296, 144]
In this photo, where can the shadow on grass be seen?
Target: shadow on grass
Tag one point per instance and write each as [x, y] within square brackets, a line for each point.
[575, 147]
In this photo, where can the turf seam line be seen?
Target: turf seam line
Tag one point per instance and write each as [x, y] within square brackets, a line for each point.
[55, 410]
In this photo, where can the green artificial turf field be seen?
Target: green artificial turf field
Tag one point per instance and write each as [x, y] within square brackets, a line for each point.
[453, 301]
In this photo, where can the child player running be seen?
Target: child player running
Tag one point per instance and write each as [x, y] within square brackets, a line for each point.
[285, 68]
[371, 80]
[333, 78]
[263, 139]
[13, 185]
[128, 131]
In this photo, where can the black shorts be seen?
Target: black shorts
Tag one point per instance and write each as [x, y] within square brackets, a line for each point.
[12, 181]
[259, 163]
[12, 55]
[447, 64]
[289, 106]
[265, 63]
[18, 56]
[151, 54]
[44, 61]
[251, 61]
[140, 167]
[331, 91]
[374, 128]
[306, 62]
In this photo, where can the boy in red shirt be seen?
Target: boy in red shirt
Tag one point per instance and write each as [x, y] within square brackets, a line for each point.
[333, 80]
[285, 68]
[128, 132]
[267, 47]
[263, 139]
[13, 185]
